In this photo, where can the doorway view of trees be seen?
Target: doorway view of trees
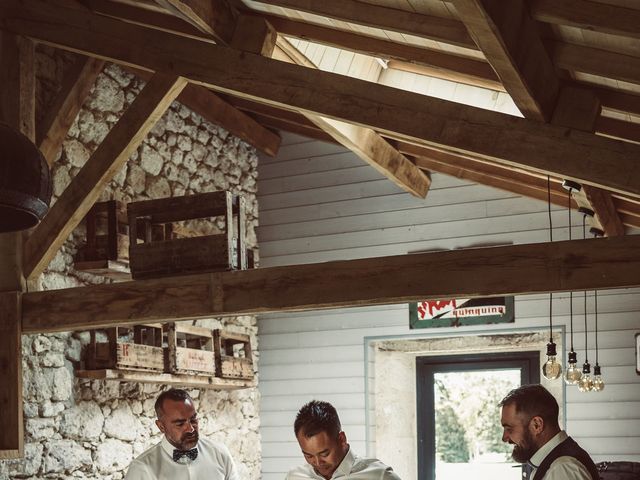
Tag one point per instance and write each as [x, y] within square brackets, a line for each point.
[467, 423]
[459, 429]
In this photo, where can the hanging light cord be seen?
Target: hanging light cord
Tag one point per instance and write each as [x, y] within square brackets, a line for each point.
[570, 292]
[586, 350]
[550, 240]
[595, 293]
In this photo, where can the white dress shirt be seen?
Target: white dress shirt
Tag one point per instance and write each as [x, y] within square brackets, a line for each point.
[351, 467]
[562, 468]
[214, 462]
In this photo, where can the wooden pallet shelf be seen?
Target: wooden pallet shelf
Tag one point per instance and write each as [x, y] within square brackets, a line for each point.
[192, 381]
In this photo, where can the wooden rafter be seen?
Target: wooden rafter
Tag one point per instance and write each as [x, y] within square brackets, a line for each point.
[619, 129]
[17, 83]
[440, 65]
[364, 142]
[562, 152]
[11, 433]
[509, 39]
[588, 15]
[214, 17]
[110, 156]
[521, 269]
[75, 88]
[445, 30]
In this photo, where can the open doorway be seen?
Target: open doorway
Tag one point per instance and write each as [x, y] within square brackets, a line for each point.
[458, 419]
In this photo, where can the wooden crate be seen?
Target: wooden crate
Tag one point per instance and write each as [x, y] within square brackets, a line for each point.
[233, 355]
[126, 348]
[155, 252]
[189, 349]
[106, 249]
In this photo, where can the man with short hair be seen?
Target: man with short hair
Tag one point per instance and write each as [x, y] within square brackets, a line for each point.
[325, 448]
[530, 423]
[181, 454]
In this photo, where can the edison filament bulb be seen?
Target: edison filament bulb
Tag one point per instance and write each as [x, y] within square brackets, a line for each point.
[552, 368]
[572, 374]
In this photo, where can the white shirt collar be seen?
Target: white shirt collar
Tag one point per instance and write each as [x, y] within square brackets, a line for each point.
[545, 450]
[345, 465]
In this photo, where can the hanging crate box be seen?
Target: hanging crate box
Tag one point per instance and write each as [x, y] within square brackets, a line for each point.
[189, 350]
[126, 348]
[155, 252]
[106, 250]
[233, 355]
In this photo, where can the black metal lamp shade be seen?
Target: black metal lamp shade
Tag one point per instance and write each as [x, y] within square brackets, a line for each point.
[25, 182]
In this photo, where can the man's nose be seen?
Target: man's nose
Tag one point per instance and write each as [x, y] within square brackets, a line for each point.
[190, 427]
[505, 437]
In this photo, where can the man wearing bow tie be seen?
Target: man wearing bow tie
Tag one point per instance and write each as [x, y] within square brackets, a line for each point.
[530, 423]
[182, 454]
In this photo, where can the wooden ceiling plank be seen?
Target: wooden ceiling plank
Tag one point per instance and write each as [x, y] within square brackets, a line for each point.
[444, 30]
[561, 152]
[213, 17]
[580, 108]
[110, 156]
[618, 128]
[509, 39]
[441, 65]
[507, 270]
[616, 100]
[578, 58]
[366, 143]
[216, 110]
[75, 88]
[588, 15]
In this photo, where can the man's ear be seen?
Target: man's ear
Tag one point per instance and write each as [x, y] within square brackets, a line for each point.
[342, 439]
[536, 425]
[160, 425]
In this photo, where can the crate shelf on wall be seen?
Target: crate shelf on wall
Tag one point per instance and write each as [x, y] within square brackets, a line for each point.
[191, 381]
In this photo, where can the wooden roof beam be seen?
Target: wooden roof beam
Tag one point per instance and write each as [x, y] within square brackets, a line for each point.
[588, 15]
[509, 39]
[561, 152]
[75, 88]
[213, 17]
[508, 270]
[613, 127]
[445, 30]
[439, 64]
[110, 156]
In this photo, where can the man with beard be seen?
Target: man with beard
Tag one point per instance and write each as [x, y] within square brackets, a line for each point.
[182, 454]
[325, 448]
[530, 423]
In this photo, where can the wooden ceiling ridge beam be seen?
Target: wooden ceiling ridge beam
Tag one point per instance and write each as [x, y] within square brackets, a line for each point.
[110, 156]
[442, 65]
[508, 37]
[599, 263]
[448, 126]
[446, 30]
[76, 85]
[364, 142]
[588, 15]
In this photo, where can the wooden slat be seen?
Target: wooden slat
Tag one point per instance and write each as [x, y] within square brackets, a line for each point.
[578, 58]
[508, 270]
[11, 433]
[76, 85]
[445, 30]
[605, 209]
[189, 381]
[588, 15]
[562, 152]
[440, 65]
[17, 83]
[106, 161]
[618, 128]
[616, 100]
[213, 108]
[365, 143]
[214, 17]
[509, 40]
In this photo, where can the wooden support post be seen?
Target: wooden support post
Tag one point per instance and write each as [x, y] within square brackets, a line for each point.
[11, 430]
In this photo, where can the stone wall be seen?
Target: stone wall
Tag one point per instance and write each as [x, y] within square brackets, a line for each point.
[77, 428]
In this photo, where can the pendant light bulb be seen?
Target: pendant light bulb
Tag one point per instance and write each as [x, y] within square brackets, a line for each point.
[585, 384]
[598, 382]
[572, 374]
[552, 368]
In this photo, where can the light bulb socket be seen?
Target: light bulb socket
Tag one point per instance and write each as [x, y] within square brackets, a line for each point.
[586, 367]
[551, 349]
[596, 232]
[596, 370]
[571, 185]
[573, 357]
[586, 211]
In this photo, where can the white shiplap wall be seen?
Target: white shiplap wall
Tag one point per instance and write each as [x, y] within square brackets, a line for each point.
[319, 202]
